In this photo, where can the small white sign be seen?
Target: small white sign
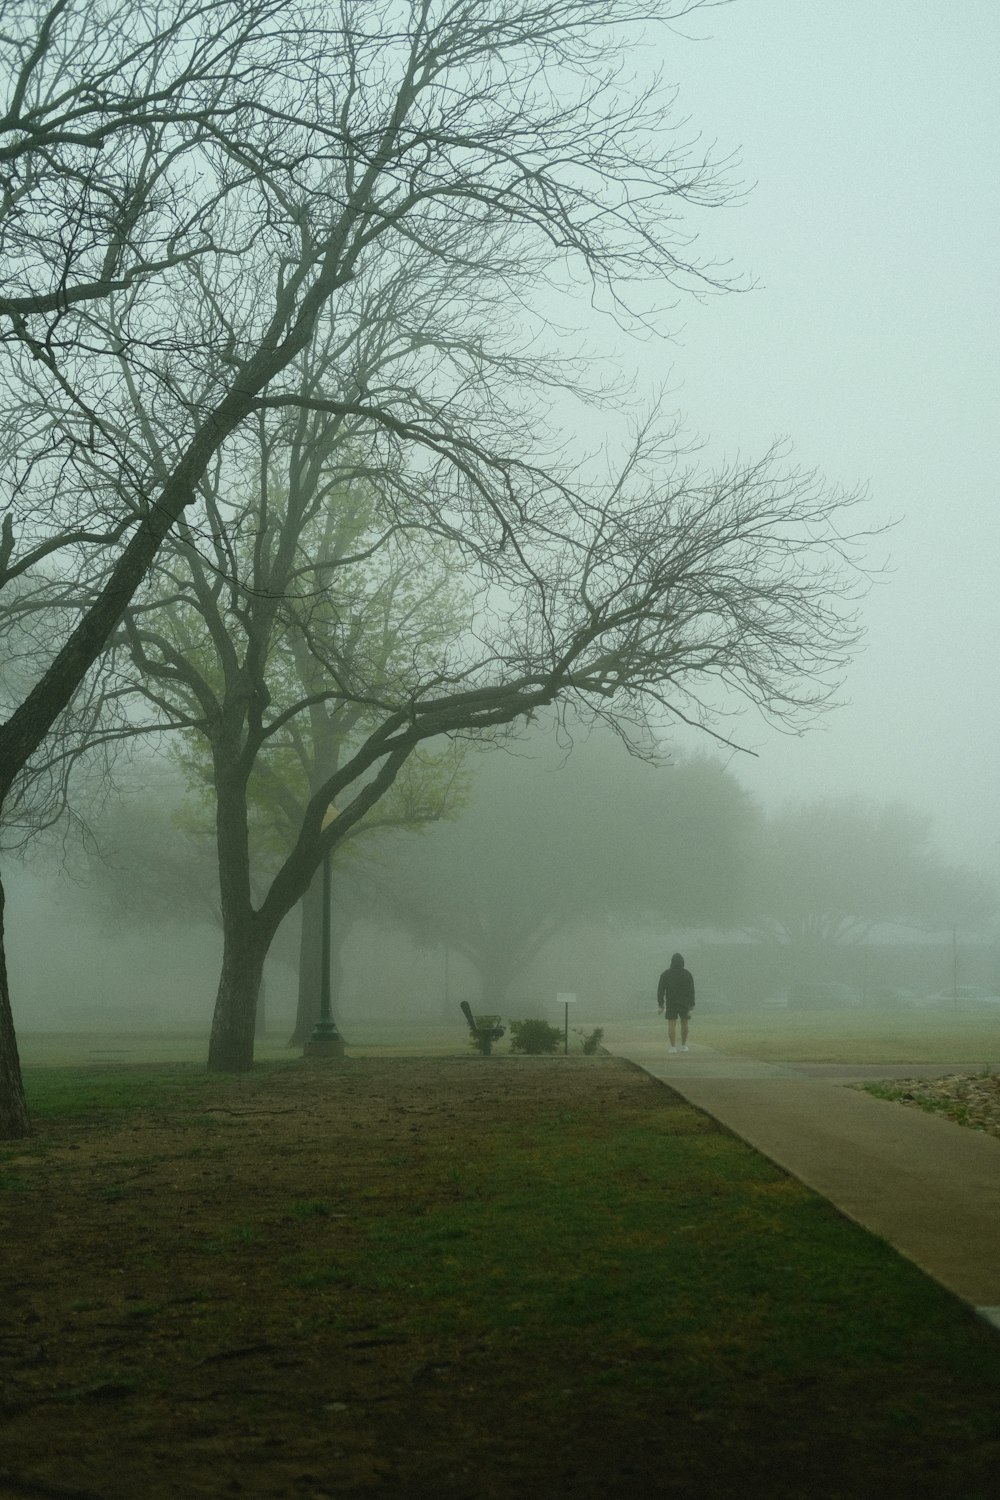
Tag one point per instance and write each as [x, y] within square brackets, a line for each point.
[562, 999]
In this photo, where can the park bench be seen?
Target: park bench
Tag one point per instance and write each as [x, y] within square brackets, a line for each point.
[485, 1029]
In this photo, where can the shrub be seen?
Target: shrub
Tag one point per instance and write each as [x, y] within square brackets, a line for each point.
[534, 1036]
[488, 1030]
[593, 1041]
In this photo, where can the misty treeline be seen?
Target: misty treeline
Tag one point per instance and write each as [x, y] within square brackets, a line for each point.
[549, 843]
[290, 321]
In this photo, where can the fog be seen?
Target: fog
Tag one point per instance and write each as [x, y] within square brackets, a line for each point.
[869, 138]
[572, 873]
[872, 137]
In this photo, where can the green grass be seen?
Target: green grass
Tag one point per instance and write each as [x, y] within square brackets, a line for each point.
[604, 1274]
[104, 1095]
[853, 1036]
[773, 1034]
[616, 1256]
[129, 1049]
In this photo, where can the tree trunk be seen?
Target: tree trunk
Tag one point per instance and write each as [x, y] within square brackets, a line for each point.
[244, 946]
[14, 1122]
[230, 1049]
[494, 980]
[503, 955]
[307, 1009]
[446, 1010]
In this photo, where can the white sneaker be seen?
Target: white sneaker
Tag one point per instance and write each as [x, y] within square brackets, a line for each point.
[685, 1047]
[673, 1049]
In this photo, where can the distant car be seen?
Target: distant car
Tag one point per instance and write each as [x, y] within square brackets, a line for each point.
[886, 997]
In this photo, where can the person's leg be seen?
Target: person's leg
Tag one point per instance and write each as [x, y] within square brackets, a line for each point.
[672, 1030]
[684, 1031]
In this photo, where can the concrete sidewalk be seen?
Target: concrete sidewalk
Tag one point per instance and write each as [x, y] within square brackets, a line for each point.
[929, 1187]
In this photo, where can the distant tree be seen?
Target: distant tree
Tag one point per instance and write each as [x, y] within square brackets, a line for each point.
[829, 870]
[143, 855]
[550, 840]
[142, 861]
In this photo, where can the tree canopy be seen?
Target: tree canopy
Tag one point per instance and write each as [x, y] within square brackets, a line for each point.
[830, 869]
[552, 838]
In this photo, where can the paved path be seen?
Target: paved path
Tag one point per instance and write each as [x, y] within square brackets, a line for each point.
[929, 1187]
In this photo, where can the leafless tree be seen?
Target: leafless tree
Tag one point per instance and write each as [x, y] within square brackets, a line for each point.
[189, 193]
[647, 602]
[251, 641]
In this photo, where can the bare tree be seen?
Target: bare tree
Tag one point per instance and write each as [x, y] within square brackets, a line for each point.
[249, 652]
[118, 143]
[188, 193]
[151, 167]
[633, 605]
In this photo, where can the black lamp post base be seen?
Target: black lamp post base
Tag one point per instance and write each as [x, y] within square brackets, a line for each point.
[326, 1041]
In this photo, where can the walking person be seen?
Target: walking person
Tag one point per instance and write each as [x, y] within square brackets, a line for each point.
[675, 996]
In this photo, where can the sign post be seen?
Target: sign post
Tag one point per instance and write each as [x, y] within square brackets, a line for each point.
[566, 1001]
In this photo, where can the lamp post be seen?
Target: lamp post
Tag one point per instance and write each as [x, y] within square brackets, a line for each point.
[326, 1040]
[566, 1000]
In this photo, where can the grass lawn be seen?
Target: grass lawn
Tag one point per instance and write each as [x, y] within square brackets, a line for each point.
[117, 1049]
[455, 1277]
[854, 1036]
[772, 1034]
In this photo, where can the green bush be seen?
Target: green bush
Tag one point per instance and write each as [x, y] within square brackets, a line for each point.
[534, 1036]
[593, 1041]
[488, 1030]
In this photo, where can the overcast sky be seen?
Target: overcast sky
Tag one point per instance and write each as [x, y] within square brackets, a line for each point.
[872, 132]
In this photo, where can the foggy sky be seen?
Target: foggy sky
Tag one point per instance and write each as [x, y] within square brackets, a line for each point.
[873, 136]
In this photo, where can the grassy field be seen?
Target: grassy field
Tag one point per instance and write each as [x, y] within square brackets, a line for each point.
[464, 1279]
[771, 1034]
[854, 1036]
[370, 1039]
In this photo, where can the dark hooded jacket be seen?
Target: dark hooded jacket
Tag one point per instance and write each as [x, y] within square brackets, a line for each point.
[676, 987]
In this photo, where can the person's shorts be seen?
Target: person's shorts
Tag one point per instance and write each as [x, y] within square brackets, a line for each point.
[677, 1012]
